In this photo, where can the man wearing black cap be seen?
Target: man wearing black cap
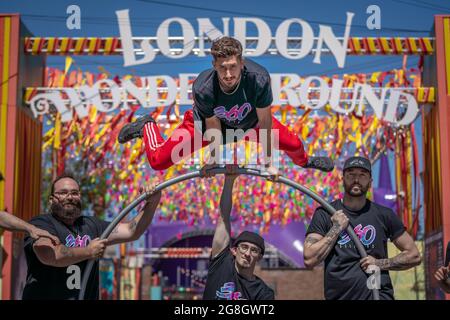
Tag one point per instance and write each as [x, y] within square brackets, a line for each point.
[231, 269]
[327, 241]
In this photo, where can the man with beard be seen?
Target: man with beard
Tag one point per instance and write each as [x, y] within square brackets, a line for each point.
[54, 271]
[326, 240]
[12, 223]
[231, 269]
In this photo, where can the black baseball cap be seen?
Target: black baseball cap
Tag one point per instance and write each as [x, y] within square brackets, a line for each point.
[247, 236]
[358, 162]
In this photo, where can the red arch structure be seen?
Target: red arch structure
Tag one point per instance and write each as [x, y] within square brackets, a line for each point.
[23, 64]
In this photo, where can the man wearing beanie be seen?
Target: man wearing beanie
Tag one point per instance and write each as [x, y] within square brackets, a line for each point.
[231, 269]
[326, 240]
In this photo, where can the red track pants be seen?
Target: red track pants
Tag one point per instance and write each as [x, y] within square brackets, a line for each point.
[159, 151]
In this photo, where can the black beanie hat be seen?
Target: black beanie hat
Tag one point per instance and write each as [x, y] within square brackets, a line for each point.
[251, 237]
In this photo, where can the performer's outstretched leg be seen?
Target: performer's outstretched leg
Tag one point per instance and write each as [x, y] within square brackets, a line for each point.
[290, 143]
[159, 151]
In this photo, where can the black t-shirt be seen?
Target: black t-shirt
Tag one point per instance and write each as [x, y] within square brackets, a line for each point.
[374, 225]
[237, 110]
[225, 283]
[47, 282]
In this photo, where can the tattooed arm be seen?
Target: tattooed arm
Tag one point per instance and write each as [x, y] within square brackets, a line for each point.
[409, 256]
[133, 229]
[317, 247]
[61, 256]
[12, 223]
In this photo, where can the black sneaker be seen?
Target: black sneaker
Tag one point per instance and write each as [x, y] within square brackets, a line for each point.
[133, 130]
[320, 163]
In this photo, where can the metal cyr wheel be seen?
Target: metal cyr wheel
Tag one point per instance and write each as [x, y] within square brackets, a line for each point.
[214, 171]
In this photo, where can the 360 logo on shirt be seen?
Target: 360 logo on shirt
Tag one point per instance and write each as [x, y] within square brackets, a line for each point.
[227, 291]
[367, 235]
[79, 241]
[235, 113]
